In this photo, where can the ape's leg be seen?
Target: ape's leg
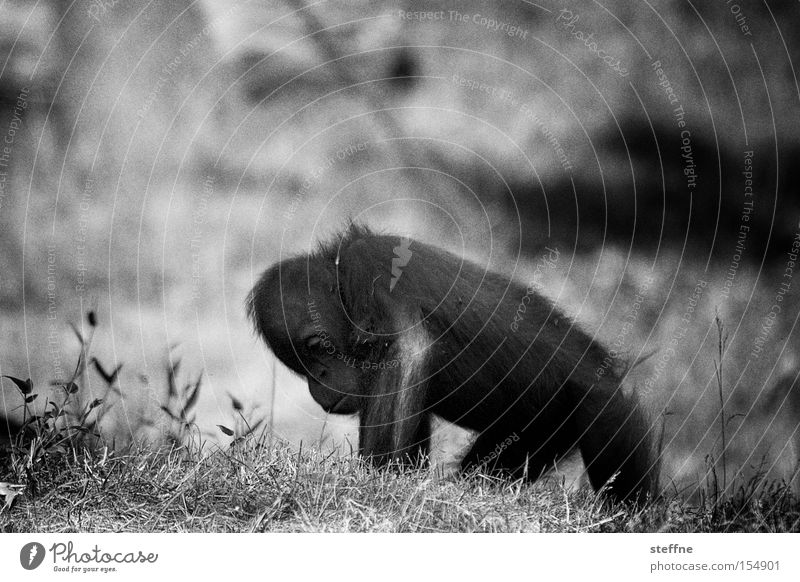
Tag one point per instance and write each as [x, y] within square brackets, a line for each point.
[524, 452]
[615, 441]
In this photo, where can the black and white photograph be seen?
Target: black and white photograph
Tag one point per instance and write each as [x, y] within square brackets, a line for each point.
[400, 267]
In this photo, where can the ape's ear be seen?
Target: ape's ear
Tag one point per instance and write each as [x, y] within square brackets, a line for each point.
[394, 418]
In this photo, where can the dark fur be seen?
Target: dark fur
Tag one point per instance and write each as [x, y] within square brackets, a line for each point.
[446, 327]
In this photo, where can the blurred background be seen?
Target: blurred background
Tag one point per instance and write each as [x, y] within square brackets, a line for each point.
[155, 157]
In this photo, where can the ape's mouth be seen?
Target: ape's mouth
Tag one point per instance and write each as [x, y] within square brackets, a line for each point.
[340, 406]
[331, 399]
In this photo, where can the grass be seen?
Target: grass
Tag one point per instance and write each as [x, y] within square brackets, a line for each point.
[255, 486]
[60, 474]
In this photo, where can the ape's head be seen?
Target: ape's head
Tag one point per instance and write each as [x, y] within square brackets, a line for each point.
[296, 308]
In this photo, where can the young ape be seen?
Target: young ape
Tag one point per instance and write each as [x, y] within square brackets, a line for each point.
[394, 330]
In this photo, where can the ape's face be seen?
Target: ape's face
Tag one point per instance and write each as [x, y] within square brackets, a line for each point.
[333, 374]
[308, 330]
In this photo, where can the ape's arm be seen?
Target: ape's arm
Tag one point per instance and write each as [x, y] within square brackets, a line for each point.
[394, 424]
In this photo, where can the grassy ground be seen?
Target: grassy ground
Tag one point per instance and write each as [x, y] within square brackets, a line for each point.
[252, 486]
[58, 473]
